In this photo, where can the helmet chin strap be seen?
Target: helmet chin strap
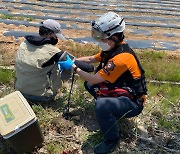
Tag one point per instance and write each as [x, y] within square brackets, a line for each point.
[116, 41]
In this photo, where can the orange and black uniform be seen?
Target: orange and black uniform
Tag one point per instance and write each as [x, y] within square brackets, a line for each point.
[117, 65]
[120, 68]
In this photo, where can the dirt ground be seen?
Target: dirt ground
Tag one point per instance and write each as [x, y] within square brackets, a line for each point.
[10, 43]
[70, 131]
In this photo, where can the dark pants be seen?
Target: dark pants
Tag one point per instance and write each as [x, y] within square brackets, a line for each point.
[109, 109]
[35, 99]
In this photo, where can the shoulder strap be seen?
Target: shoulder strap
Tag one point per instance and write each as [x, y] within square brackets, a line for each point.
[106, 55]
[127, 49]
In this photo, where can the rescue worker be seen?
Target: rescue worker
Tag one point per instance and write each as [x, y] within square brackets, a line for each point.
[118, 86]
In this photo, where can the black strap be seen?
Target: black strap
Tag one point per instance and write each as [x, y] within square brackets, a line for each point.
[105, 56]
[127, 49]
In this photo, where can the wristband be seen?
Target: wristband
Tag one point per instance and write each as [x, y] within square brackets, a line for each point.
[75, 69]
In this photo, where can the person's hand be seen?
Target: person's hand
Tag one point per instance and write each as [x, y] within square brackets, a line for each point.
[67, 64]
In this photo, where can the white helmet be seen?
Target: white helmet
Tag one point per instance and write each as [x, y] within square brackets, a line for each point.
[107, 25]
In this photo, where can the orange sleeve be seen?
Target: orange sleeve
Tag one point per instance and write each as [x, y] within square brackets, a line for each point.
[97, 57]
[118, 65]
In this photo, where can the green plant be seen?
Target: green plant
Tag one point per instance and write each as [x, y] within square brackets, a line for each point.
[30, 19]
[170, 124]
[152, 55]
[167, 94]
[92, 139]
[45, 116]
[1, 151]
[6, 16]
[6, 76]
[82, 98]
[10, 16]
[160, 66]
[79, 50]
[54, 147]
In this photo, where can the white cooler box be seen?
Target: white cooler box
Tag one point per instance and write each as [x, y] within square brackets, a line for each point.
[18, 123]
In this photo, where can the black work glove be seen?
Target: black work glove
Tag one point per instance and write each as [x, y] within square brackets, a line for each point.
[84, 66]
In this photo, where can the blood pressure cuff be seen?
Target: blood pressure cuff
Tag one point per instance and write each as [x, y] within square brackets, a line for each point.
[61, 56]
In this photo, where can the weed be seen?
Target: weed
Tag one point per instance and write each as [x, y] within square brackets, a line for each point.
[92, 139]
[6, 16]
[152, 55]
[10, 16]
[170, 124]
[54, 147]
[161, 107]
[152, 89]
[159, 66]
[45, 116]
[1, 151]
[165, 105]
[168, 94]
[30, 19]
[79, 50]
[82, 98]
[6, 76]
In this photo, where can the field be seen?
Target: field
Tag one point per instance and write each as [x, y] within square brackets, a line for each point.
[152, 31]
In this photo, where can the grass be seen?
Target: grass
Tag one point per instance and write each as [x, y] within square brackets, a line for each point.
[161, 110]
[165, 105]
[78, 49]
[10, 16]
[92, 139]
[7, 76]
[5, 58]
[54, 147]
[170, 92]
[169, 124]
[160, 66]
[157, 65]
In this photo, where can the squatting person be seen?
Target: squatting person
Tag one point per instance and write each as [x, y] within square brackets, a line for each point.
[36, 79]
[37, 73]
[118, 86]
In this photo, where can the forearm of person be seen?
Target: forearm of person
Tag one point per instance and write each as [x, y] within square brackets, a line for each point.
[53, 59]
[90, 78]
[89, 59]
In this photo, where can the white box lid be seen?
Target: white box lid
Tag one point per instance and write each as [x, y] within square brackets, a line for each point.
[15, 113]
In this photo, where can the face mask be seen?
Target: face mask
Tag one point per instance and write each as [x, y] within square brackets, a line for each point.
[104, 46]
[54, 41]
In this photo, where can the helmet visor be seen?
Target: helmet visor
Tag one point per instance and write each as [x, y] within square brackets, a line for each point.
[99, 36]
